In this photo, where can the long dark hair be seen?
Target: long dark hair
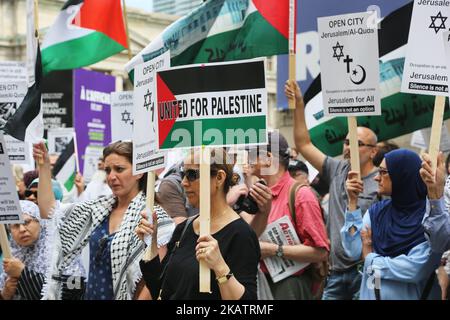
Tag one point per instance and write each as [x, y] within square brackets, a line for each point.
[125, 149]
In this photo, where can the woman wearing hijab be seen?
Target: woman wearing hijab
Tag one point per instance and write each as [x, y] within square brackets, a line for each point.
[31, 245]
[398, 260]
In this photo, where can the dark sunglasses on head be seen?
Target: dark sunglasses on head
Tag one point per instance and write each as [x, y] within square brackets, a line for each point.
[192, 174]
[360, 143]
[29, 192]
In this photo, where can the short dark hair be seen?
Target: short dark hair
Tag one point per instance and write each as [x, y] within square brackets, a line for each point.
[221, 160]
[386, 147]
[125, 149]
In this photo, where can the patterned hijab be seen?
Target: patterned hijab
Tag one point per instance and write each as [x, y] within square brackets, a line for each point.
[37, 256]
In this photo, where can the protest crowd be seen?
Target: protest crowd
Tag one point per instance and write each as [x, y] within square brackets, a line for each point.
[286, 222]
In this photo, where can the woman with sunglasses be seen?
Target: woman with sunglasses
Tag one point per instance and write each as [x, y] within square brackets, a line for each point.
[398, 260]
[231, 251]
[32, 243]
[105, 224]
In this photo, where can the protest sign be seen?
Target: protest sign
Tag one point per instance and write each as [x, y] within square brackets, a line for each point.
[281, 232]
[421, 138]
[121, 115]
[92, 115]
[222, 104]
[13, 71]
[423, 74]
[58, 139]
[349, 65]
[91, 156]
[19, 152]
[145, 157]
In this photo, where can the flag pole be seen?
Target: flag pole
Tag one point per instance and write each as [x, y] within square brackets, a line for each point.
[292, 34]
[36, 19]
[436, 128]
[75, 149]
[125, 18]
[151, 251]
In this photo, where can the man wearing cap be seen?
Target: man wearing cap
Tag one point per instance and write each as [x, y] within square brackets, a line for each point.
[271, 164]
[299, 171]
[344, 280]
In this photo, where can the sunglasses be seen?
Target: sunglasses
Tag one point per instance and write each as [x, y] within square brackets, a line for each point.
[29, 193]
[360, 143]
[192, 174]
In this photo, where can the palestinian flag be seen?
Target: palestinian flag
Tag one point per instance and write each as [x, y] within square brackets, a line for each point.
[85, 32]
[223, 30]
[27, 124]
[221, 104]
[401, 113]
[65, 170]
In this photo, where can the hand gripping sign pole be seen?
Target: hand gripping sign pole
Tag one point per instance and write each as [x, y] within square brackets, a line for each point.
[205, 212]
[292, 34]
[354, 147]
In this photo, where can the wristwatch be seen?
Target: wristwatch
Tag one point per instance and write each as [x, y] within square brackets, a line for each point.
[279, 253]
[224, 278]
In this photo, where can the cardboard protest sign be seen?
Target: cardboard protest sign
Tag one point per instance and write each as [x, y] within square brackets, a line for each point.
[58, 139]
[121, 115]
[145, 157]
[217, 104]
[425, 64]
[19, 152]
[9, 200]
[349, 65]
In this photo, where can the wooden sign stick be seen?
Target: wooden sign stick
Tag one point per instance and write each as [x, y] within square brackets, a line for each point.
[435, 138]
[151, 251]
[354, 147]
[4, 242]
[205, 213]
[292, 34]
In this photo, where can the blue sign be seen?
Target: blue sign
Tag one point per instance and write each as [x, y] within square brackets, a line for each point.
[308, 64]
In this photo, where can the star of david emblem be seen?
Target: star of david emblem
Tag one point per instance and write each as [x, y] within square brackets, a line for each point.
[338, 54]
[126, 116]
[433, 24]
[147, 98]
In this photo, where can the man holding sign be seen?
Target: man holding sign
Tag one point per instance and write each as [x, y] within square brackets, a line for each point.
[344, 279]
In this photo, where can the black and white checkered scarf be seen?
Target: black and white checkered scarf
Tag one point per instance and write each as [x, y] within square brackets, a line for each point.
[126, 248]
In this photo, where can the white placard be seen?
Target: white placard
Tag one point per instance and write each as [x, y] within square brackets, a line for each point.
[121, 115]
[281, 232]
[9, 200]
[145, 144]
[18, 151]
[425, 65]
[91, 156]
[13, 71]
[420, 139]
[349, 65]
[11, 96]
[58, 139]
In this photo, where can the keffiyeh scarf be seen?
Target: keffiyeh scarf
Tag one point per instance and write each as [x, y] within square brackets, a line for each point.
[126, 248]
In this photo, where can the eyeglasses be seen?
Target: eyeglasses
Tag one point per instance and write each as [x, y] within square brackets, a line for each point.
[383, 171]
[25, 224]
[360, 143]
[29, 193]
[192, 174]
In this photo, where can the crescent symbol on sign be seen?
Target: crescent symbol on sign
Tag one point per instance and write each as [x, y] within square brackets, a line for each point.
[363, 78]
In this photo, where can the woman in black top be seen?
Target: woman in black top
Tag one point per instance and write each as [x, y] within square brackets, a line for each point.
[231, 251]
